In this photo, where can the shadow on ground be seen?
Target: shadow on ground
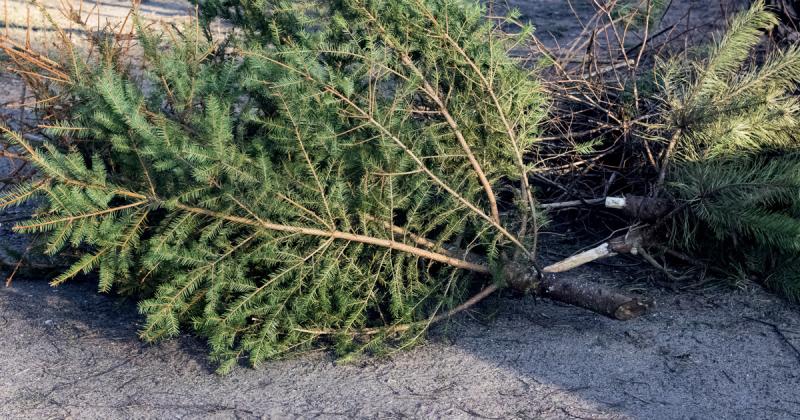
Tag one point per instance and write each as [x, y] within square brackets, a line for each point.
[71, 352]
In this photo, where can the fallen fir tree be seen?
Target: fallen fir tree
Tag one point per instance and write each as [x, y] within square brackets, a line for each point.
[712, 166]
[350, 172]
[343, 172]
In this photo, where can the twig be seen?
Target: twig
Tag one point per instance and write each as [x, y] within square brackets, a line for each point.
[778, 331]
[652, 261]
[662, 174]
[22, 258]
[572, 203]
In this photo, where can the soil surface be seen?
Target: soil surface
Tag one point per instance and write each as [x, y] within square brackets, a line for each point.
[69, 352]
[717, 353]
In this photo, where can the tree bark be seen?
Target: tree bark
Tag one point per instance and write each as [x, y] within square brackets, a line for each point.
[581, 292]
[647, 209]
[593, 296]
[638, 207]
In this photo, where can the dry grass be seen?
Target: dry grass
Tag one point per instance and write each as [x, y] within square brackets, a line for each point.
[42, 32]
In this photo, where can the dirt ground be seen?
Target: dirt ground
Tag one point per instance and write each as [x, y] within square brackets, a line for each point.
[70, 352]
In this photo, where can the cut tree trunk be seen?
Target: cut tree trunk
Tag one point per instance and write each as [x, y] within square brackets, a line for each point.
[593, 296]
[596, 297]
[638, 207]
[586, 294]
[646, 209]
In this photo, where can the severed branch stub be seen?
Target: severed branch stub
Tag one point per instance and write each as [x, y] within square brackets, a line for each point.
[590, 295]
[597, 297]
[594, 296]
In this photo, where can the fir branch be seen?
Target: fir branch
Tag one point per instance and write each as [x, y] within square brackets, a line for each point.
[512, 137]
[434, 95]
[334, 234]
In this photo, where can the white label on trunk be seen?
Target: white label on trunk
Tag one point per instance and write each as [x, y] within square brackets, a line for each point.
[615, 202]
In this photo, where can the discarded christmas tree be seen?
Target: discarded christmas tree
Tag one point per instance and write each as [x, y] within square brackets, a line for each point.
[734, 136]
[350, 173]
[723, 191]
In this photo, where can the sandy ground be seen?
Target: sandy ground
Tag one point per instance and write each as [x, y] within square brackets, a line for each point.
[69, 352]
